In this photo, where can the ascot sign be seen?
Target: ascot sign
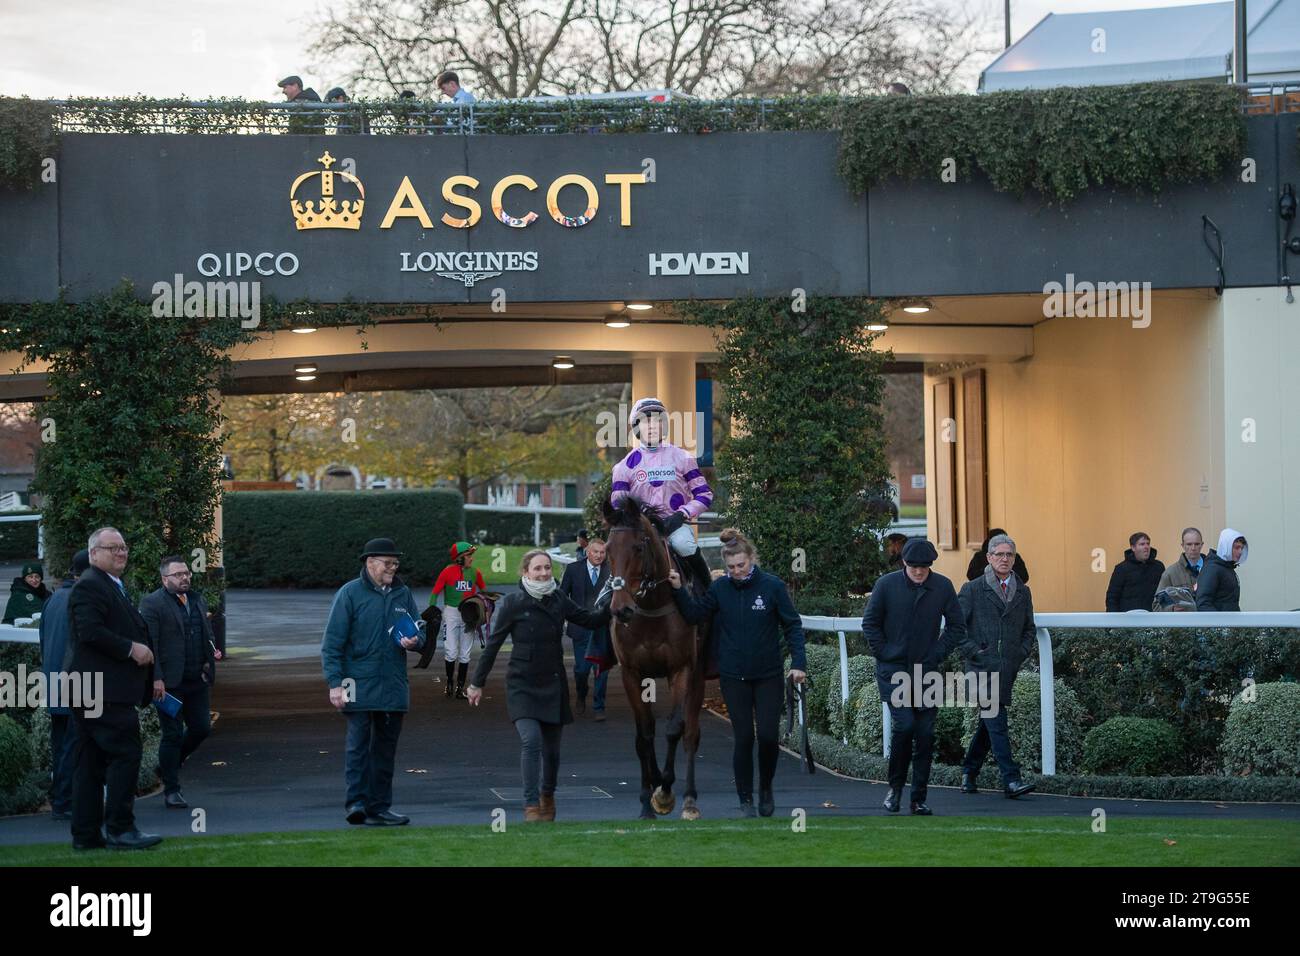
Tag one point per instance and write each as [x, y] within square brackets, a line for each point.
[329, 212]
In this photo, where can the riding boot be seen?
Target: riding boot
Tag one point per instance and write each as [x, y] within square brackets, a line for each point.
[451, 673]
[699, 571]
[460, 680]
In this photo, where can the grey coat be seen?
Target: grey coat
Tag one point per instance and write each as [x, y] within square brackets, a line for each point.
[536, 684]
[168, 628]
[1000, 634]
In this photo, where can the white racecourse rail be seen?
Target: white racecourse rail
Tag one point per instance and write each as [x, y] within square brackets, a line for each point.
[1045, 622]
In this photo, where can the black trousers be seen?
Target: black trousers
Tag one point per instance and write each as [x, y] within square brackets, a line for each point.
[911, 742]
[371, 753]
[62, 738]
[751, 702]
[182, 734]
[106, 753]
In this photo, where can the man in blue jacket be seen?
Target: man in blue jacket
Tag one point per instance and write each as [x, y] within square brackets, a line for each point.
[54, 649]
[901, 625]
[364, 658]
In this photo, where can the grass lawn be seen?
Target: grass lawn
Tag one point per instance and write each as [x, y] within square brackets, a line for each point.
[937, 841]
[508, 572]
[911, 511]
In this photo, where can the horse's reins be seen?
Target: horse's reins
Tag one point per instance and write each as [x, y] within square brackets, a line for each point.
[650, 583]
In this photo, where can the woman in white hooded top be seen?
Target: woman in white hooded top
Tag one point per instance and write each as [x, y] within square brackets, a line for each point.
[1217, 587]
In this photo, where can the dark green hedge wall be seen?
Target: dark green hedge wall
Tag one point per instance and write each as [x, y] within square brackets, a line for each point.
[314, 539]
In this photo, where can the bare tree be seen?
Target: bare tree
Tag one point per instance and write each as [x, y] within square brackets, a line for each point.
[709, 48]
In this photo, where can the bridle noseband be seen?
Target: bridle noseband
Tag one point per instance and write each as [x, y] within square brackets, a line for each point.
[649, 583]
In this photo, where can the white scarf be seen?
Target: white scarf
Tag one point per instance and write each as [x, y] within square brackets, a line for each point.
[538, 589]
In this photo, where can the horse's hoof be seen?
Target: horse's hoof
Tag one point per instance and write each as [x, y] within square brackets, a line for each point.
[662, 802]
[690, 811]
[647, 815]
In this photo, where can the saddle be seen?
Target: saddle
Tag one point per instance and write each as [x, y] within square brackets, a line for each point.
[476, 611]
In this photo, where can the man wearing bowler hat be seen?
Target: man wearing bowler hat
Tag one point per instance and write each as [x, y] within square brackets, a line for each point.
[372, 623]
[901, 624]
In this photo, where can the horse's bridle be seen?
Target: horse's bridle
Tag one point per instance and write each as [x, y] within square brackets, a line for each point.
[649, 583]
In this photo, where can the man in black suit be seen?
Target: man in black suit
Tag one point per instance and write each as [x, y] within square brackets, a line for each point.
[582, 582]
[109, 638]
[184, 666]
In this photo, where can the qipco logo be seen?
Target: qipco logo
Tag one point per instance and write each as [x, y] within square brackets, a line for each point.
[237, 263]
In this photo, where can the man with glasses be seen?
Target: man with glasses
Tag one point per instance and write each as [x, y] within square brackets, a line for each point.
[184, 666]
[1000, 632]
[109, 638]
[372, 623]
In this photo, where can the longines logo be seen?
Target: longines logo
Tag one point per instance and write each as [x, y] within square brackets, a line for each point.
[470, 267]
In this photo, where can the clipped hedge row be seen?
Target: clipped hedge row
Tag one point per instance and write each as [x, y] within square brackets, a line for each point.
[1132, 746]
[507, 527]
[25, 758]
[18, 539]
[314, 539]
[1263, 732]
[850, 761]
[1185, 677]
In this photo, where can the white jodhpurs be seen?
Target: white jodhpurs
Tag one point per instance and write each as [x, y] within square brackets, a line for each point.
[457, 642]
[683, 541]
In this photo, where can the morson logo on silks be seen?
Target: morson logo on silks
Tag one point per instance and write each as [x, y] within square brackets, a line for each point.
[699, 263]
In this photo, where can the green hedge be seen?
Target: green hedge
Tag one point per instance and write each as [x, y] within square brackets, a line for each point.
[1263, 733]
[849, 760]
[1133, 747]
[313, 539]
[15, 754]
[839, 713]
[1025, 725]
[1182, 676]
[1056, 142]
[505, 527]
[18, 539]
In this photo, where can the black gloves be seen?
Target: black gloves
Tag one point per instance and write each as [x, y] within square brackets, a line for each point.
[674, 521]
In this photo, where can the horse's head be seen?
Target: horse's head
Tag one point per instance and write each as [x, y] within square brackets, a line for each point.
[635, 553]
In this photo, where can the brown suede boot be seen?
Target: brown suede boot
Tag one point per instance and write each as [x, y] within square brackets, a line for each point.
[532, 814]
[547, 809]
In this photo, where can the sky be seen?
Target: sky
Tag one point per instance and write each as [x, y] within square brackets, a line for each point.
[240, 48]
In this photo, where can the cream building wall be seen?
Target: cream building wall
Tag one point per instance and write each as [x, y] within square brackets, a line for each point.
[1108, 429]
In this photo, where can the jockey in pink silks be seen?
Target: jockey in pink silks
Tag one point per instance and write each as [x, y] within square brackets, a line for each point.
[665, 480]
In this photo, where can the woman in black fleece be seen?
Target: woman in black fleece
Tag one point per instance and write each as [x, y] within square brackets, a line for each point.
[752, 608]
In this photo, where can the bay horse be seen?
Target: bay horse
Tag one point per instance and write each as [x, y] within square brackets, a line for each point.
[652, 640]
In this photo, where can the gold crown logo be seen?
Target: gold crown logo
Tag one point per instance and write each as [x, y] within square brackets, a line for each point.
[330, 213]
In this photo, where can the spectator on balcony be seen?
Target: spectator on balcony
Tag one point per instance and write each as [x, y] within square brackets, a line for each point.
[449, 83]
[28, 593]
[347, 122]
[1184, 572]
[980, 560]
[1218, 588]
[292, 88]
[1134, 581]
